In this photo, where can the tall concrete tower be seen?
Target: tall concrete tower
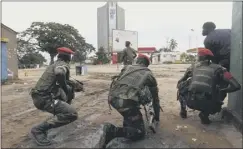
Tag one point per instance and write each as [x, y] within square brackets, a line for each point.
[109, 17]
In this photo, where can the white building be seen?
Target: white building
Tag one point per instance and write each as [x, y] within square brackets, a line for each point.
[160, 58]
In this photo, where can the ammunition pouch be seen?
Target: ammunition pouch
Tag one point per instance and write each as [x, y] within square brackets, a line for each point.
[40, 99]
[145, 96]
[60, 94]
[183, 87]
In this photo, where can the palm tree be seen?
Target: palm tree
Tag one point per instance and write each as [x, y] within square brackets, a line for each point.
[164, 49]
[173, 44]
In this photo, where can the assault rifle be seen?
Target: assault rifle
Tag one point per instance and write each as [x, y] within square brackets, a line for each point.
[77, 85]
[150, 114]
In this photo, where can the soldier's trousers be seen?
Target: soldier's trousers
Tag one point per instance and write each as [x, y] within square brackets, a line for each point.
[183, 100]
[133, 124]
[204, 104]
[64, 113]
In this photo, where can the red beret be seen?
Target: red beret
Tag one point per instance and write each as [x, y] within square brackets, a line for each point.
[64, 50]
[204, 52]
[144, 56]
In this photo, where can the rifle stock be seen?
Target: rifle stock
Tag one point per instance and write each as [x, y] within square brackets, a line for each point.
[149, 111]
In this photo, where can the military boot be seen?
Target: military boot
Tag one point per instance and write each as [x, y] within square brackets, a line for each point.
[204, 118]
[183, 113]
[39, 134]
[109, 131]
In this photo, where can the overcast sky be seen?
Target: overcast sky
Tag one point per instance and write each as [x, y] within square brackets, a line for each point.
[154, 21]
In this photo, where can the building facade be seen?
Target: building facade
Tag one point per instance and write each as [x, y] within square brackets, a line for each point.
[170, 56]
[109, 17]
[234, 108]
[12, 61]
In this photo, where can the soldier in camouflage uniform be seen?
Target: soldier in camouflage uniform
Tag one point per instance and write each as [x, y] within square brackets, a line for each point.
[131, 88]
[128, 54]
[202, 90]
[51, 94]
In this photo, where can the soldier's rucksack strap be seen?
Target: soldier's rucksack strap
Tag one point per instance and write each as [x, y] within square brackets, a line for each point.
[124, 75]
[114, 79]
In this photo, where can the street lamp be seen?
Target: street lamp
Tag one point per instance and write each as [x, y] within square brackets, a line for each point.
[196, 41]
[191, 30]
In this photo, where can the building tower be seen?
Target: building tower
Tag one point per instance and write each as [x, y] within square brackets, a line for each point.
[109, 17]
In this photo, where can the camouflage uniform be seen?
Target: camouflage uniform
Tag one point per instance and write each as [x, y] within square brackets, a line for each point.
[125, 96]
[183, 93]
[204, 88]
[48, 96]
[128, 55]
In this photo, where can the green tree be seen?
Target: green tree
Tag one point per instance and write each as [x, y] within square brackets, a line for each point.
[164, 49]
[171, 45]
[79, 57]
[24, 47]
[47, 37]
[191, 58]
[32, 58]
[183, 57]
[102, 56]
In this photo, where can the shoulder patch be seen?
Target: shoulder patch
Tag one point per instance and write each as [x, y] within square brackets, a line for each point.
[227, 75]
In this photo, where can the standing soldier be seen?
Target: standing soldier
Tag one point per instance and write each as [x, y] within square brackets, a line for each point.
[46, 97]
[219, 42]
[135, 85]
[205, 85]
[128, 54]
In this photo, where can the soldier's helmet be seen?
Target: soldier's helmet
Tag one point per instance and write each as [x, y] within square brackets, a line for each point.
[204, 54]
[143, 59]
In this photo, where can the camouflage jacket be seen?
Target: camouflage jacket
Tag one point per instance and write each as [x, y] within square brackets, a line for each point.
[48, 82]
[134, 82]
